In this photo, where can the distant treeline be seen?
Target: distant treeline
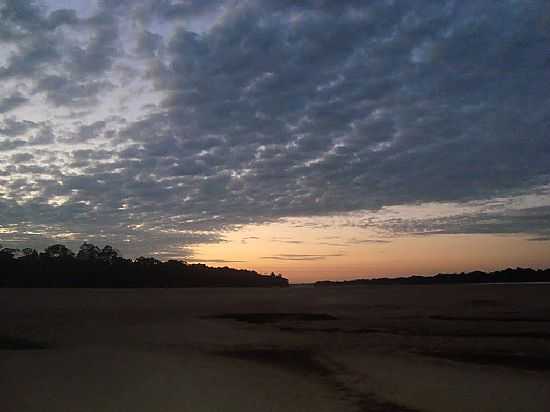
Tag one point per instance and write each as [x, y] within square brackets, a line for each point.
[57, 266]
[502, 276]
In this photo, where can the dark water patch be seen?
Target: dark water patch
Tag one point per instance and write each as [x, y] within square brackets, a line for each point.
[488, 319]
[511, 360]
[264, 318]
[11, 343]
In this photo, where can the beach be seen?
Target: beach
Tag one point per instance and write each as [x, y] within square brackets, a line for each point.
[374, 348]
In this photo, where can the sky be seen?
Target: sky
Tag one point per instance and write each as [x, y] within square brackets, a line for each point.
[321, 139]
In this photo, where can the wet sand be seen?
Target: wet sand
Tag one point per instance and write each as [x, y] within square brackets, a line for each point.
[376, 348]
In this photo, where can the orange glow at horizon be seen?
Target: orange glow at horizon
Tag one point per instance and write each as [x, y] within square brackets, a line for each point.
[306, 254]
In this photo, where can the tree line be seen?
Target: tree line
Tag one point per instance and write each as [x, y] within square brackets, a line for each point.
[95, 267]
[509, 275]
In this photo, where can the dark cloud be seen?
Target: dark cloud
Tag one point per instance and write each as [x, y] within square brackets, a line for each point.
[13, 127]
[52, 43]
[21, 157]
[44, 136]
[331, 114]
[65, 91]
[89, 131]
[11, 102]
[97, 56]
[293, 257]
[11, 144]
[32, 57]
[235, 112]
[534, 221]
[148, 44]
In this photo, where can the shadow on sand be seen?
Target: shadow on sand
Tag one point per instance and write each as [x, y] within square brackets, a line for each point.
[263, 318]
[305, 361]
[11, 343]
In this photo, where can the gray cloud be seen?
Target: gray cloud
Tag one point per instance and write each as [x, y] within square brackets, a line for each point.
[534, 221]
[11, 102]
[11, 144]
[325, 128]
[12, 127]
[64, 91]
[148, 43]
[21, 157]
[90, 131]
[237, 112]
[52, 43]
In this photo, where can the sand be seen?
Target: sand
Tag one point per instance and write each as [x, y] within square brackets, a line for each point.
[377, 348]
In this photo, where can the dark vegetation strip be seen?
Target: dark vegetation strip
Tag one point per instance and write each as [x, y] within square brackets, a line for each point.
[502, 276]
[58, 267]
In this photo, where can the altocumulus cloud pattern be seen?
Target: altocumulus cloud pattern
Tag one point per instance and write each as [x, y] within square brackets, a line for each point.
[164, 122]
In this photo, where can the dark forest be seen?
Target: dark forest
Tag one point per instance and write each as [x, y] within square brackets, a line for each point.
[93, 267]
[509, 275]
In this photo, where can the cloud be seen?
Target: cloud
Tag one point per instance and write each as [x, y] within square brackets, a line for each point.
[368, 241]
[57, 51]
[148, 44]
[245, 240]
[286, 240]
[11, 144]
[533, 221]
[12, 127]
[90, 131]
[235, 112]
[64, 91]
[328, 120]
[298, 257]
[11, 102]
[198, 260]
[21, 157]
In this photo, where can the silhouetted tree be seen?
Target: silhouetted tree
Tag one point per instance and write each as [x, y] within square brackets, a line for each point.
[7, 254]
[88, 251]
[147, 261]
[109, 254]
[10, 251]
[95, 267]
[58, 251]
[500, 276]
[30, 252]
